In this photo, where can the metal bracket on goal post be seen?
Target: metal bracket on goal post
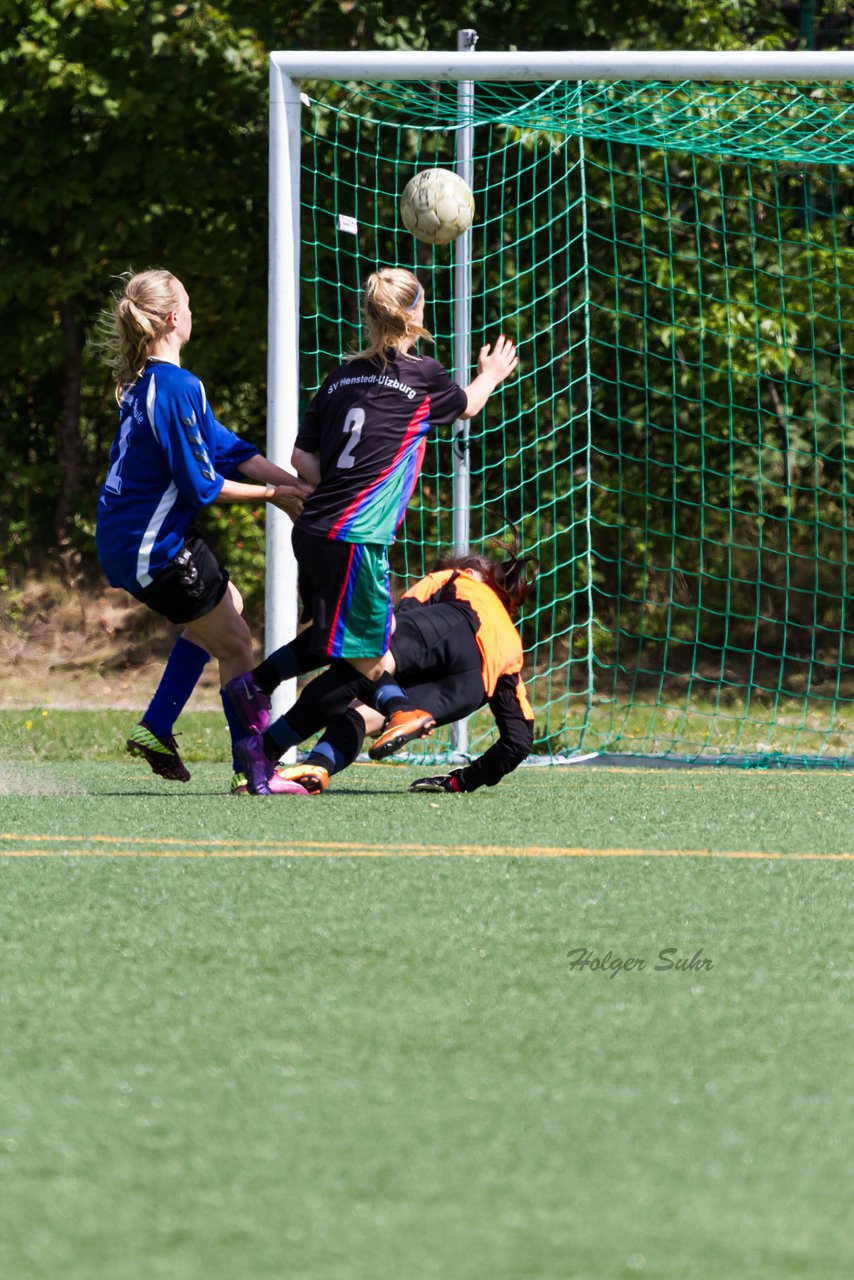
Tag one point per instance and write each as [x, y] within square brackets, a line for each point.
[287, 70]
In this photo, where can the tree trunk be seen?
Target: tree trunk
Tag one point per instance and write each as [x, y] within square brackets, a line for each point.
[68, 428]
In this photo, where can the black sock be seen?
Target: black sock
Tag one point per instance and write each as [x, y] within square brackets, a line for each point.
[341, 743]
[293, 659]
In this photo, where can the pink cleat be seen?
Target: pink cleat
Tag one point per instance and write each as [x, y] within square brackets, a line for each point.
[249, 703]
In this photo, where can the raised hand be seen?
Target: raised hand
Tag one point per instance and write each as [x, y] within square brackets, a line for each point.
[500, 361]
[494, 364]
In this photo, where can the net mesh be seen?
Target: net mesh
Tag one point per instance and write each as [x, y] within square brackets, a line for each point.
[674, 262]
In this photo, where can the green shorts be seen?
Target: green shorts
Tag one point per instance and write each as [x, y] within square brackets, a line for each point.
[346, 596]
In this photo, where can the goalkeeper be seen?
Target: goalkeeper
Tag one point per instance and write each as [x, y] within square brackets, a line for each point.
[455, 648]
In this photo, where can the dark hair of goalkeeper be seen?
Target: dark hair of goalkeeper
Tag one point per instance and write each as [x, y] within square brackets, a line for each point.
[510, 579]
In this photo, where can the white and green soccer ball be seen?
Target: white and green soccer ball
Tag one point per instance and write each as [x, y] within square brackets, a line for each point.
[437, 206]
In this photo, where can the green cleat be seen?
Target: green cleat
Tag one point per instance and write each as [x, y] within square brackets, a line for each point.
[161, 754]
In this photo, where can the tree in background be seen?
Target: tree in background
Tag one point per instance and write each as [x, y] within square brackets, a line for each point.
[135, 135]
[128, 140]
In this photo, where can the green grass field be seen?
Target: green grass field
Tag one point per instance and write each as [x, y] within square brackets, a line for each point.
[341, 1038]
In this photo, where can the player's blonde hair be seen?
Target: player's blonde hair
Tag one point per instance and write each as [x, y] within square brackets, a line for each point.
[388, 306]
[138, 321]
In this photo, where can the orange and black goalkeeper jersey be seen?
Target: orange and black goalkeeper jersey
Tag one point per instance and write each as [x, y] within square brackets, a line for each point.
[502, 659]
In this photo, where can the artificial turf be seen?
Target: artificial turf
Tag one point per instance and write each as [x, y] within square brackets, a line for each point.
[248, 1038]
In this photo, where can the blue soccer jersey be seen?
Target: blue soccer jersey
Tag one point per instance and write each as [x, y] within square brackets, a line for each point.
[168, 460]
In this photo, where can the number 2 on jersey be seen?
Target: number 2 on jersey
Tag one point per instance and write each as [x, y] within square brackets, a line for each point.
[353, 424]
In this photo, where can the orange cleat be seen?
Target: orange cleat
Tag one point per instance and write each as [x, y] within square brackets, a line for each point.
[313, 778]
[401, 727]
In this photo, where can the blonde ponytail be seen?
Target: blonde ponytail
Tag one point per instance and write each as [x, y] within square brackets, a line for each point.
[388, 305]
[138, 321]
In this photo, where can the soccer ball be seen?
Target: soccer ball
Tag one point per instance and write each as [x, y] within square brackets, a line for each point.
[437, 206]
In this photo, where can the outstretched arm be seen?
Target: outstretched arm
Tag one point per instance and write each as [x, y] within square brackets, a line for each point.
[493, 366]
[285, 497]
[509, 704]
[261, 468]
[290, 491]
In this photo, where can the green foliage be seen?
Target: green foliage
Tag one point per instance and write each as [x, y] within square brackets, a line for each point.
[237, 533]
[699, 433]
[134, 135]
[131, 139]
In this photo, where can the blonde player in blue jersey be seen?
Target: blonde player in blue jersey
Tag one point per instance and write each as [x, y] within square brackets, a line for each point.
[361, 444]
[169, 460]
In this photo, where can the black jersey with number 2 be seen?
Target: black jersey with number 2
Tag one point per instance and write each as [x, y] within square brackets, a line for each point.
[369, 425]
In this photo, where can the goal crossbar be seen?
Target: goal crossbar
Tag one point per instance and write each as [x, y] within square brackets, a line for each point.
[620, 64]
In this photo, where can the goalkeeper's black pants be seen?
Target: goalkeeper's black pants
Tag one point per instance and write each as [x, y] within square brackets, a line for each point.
[438, 663]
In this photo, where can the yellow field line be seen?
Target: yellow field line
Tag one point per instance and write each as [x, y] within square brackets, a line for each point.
[168, 848]
[166, 840]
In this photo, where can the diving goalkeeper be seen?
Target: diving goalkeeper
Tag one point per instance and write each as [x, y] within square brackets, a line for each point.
[455, 648]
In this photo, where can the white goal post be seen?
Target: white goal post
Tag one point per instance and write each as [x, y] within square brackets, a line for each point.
[289, 69]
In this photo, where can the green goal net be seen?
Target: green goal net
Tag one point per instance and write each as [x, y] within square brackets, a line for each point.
[676, 264]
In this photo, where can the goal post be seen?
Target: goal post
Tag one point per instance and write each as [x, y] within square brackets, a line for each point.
[667, 236]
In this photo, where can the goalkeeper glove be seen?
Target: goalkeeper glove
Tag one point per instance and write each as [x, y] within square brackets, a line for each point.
[440, 782]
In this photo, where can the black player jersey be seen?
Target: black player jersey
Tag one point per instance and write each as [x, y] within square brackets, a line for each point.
[369, 426]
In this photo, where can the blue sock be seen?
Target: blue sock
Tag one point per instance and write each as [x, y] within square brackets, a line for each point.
[389, 697]
[341, 743]
[327, 753]
[184, 666]
[235, 729]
